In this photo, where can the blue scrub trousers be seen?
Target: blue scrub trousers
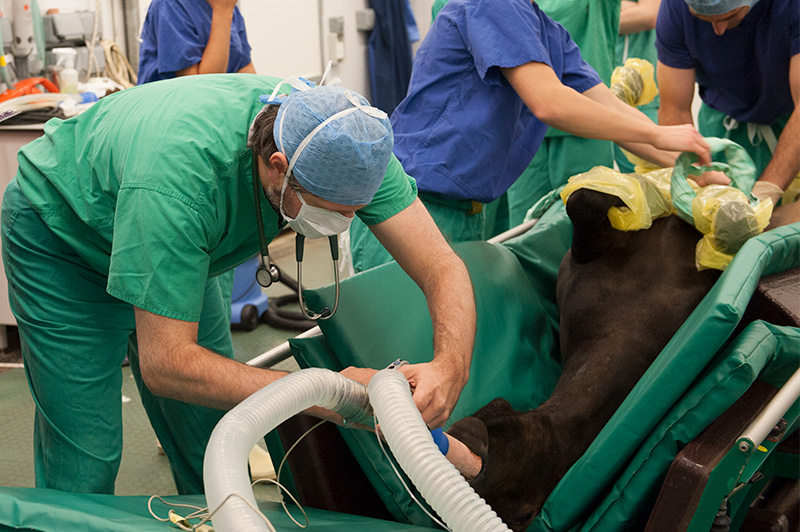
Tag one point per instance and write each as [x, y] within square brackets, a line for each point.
[74, 337]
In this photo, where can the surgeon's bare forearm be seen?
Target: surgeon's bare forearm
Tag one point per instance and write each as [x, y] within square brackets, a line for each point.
[453, 345]
[248, 69]
[676, 89]
[451, 303]
[671, 116]
[420, 249]
[215, 55]
[564, 108]
[662, 158]
[173, 365]
[196, 375]
[586, 115]
[635, 17]
[785, 162]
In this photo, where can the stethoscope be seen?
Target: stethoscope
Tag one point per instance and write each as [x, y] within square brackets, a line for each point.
[268, 273]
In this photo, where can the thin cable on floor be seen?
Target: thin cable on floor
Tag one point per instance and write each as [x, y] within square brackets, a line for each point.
[202, 513]
[403, 482]
[286, 455]
[183, 522]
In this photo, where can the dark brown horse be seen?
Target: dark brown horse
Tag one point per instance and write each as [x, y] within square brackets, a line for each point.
[621, 297]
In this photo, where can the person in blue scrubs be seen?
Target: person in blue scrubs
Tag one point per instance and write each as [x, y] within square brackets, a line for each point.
[488, 80]
[183, 37]
[745, 57]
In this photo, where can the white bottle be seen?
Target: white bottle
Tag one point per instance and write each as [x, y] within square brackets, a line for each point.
[68, 76]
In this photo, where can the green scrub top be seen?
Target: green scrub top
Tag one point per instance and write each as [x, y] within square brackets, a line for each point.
[152, 186]
[643, 46]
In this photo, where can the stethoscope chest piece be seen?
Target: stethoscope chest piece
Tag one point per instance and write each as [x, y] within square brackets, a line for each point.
[267, 273]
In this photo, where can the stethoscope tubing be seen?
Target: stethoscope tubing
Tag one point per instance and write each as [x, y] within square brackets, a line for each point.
[268, 273]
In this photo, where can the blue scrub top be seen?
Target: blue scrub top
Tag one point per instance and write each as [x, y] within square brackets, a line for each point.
[743, 73]
[175, 34]
[462, 131]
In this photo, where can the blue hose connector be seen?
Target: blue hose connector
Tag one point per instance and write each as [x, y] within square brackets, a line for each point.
[441, 440]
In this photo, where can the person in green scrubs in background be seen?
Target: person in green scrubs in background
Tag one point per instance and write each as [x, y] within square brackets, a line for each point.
[593, 25]
[637, 38]
[120, 220]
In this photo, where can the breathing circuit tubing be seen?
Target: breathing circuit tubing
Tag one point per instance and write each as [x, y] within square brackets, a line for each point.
[225, 472]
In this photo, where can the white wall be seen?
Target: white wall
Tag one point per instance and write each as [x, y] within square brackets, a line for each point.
[287, 37]
[353, 69]
[290, 38]
[422, 14]
[284, 36]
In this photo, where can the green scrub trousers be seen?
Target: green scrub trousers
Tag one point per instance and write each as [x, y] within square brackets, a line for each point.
[74, 339]
[711, 123]
[452, 217]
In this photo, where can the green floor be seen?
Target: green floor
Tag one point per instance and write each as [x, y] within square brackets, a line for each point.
[143, 470]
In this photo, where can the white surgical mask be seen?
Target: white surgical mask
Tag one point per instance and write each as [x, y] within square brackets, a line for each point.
[314, 222]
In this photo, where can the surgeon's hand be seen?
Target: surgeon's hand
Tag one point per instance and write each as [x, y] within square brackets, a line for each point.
[436, 388]
[362, 375]
[682, 138]
[713, 177]
[764, 190]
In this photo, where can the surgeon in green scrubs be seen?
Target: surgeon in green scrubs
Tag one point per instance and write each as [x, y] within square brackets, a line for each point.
[120, 220]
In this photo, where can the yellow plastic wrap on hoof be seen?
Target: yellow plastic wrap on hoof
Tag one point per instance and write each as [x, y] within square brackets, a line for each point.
[646, 197]
[640, 166]
[727, 219]
[658, 191]
[792, 192]
[708, 258]
[634, 82]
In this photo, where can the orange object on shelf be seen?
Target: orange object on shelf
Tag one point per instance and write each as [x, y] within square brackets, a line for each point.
[29, 86]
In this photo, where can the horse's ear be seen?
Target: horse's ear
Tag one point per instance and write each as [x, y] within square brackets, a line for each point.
[589, 208]
[592, 233]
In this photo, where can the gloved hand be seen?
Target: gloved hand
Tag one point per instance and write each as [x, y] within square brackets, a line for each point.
[764, 189]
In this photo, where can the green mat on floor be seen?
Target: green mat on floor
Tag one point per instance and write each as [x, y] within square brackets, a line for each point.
[42, 509]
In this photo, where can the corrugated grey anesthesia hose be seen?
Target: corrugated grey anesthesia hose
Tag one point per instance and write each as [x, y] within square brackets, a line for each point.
[225, 466]
[412, 445]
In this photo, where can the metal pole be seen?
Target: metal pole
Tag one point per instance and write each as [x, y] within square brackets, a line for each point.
[755, 433]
